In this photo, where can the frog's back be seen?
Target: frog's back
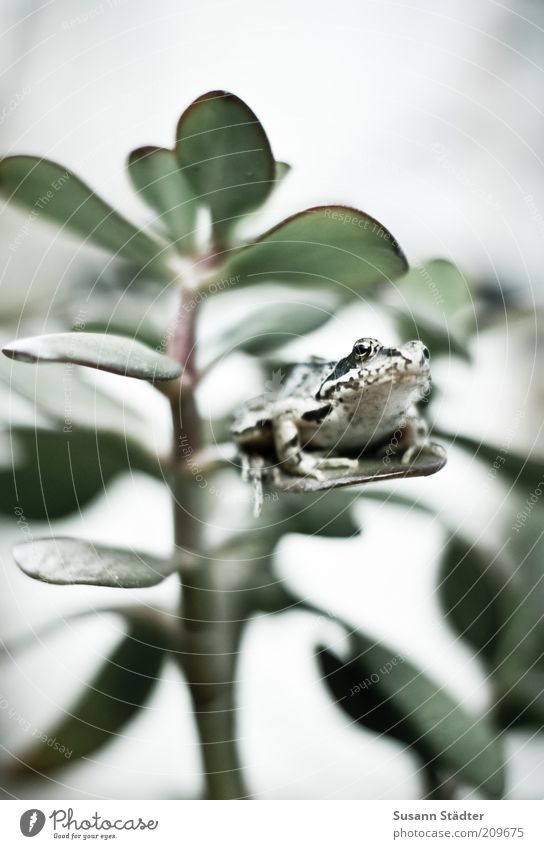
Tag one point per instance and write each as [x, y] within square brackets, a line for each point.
[306, 378]
[252, 424]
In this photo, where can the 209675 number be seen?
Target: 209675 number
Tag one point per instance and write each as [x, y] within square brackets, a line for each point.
[508, 831]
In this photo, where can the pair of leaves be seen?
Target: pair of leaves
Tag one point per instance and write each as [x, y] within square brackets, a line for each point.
[222, 160]
[111, 699]
[387, 694]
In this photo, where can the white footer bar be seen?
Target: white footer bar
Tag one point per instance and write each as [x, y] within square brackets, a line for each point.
[273, 824]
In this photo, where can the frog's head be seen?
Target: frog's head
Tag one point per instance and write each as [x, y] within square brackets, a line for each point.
[372, 364]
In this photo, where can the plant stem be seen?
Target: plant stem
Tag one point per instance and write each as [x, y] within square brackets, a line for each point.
[210, 650]
[209, 630]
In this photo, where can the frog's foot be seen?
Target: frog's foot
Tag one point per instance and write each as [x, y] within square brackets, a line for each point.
[253, 473]
[415, 440]
[344, 464]
[291, 456]
[303, 465]
[425, 445]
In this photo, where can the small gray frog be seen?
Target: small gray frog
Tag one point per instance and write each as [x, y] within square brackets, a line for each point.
[330, 413]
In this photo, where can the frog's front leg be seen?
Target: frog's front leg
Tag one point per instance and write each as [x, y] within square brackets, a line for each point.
[289, 448]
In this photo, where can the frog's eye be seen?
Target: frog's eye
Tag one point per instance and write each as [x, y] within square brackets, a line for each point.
[364, 348]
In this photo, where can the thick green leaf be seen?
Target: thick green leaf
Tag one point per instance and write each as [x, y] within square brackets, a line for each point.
[476, 594]
[225, 155]
[63, 560]
[156, 175]
[370, 469]
[384, 692]
[54, 193]
[327, 246]
[117, 354]
[110, 700]
[54, 473]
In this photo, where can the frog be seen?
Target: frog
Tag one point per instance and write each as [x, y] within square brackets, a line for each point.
[329, 414]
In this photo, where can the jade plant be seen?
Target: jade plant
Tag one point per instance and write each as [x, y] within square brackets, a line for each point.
[204, 196]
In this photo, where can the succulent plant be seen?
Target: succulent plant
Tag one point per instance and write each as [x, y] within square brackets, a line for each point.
[201, 194]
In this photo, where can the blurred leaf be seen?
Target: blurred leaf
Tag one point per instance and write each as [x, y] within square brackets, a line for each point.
[519, 673]
[110, 700]
[385, 693]
[58, 472]
[433, 302]
[439, 338]
[106, 352]
[63, 560]
[226, 157]
[121, 325]
[436, 290]
[519, 660]
[324, 514]
[78, 400]
[508, 467]
[331, 246]
[281, 171]
[123, 311]
[155, 174]
[264, 329]
[475, 594]
[394, 498]
[55, 193]
[321, 515]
